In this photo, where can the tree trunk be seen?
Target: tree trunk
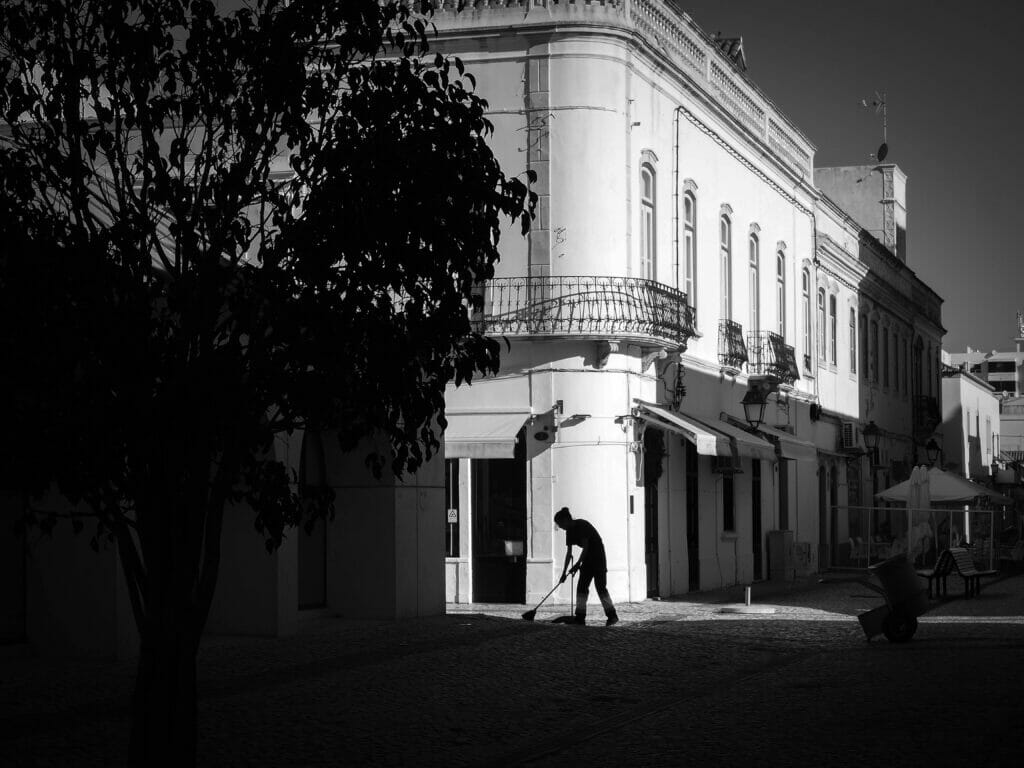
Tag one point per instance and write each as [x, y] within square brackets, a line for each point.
[164, 720]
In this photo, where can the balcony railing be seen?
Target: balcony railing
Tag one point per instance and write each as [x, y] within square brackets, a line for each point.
[770, 355]
[732, 352]
[585, 306]
[948, 371]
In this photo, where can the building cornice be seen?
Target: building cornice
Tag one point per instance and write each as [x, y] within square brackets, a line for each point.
[670, 37]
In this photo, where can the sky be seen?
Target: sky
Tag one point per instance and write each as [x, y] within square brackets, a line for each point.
[954, 88]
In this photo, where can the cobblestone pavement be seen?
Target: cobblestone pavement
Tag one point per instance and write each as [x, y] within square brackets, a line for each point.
[677, 681]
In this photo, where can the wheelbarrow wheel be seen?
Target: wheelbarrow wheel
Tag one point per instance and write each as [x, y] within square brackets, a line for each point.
[899, 628]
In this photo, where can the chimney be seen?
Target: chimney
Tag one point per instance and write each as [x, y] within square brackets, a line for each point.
[875, 196]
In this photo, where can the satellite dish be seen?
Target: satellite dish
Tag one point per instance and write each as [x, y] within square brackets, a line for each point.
[882, 152]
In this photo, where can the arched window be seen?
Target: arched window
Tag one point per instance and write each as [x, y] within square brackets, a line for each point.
[805, 306]
[648, 264]
[930, 374]
[864, 367]
[917, 367]
[906, 365]
[895, 362]
[885, 357]
[874, 351]
[725, 265]
[833, 330]
[780, 293]
[853, 340]
[755, 282]
[821, 324]
[690, 247]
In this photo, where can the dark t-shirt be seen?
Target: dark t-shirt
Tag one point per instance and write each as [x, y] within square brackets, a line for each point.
[580, 531]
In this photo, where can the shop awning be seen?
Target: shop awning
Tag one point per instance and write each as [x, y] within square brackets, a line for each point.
[790, 446]
[709, 441]
[483, 435]
[747, 444]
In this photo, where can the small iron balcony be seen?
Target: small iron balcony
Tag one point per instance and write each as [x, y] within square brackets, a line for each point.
[770, 355]
[585, 306]
[732, 352]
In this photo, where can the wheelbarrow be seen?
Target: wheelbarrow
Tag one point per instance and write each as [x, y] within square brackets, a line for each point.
[905, 599]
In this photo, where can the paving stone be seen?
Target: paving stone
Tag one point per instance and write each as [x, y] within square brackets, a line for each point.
[676, 681]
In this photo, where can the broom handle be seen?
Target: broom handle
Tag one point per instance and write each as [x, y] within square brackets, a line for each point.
[572, 592]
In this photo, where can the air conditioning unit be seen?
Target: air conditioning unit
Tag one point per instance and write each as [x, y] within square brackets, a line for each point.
[848, 436]
[723, 465]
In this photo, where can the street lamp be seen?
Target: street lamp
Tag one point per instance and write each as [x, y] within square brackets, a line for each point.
[872, 434]
[933, 450]
[754, 403]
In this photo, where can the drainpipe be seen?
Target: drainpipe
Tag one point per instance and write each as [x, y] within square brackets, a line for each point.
[675, 198]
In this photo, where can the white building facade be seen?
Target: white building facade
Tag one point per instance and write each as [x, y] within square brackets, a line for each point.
[971, 425]
[681, 255]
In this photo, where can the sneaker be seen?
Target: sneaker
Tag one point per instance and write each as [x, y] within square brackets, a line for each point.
[613, 619]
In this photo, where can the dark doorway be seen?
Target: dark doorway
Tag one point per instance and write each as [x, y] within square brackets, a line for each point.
[312, 553]
[823, 518]
[654, 454]
[783, 495]
[833, 505]
[692, 518]
[499, 528]
[313, 565]
[755, 507]
[12, 572]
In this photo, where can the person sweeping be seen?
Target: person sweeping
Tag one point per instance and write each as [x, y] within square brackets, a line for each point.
[591, 565]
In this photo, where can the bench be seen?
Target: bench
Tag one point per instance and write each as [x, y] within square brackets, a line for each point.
[959, 560]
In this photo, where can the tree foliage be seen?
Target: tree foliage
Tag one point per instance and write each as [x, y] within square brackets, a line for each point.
[218, 227]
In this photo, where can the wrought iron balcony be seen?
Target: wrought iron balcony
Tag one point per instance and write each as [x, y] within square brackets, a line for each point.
[927, 416]
[732, 352]
[585, 306]
[770, 355]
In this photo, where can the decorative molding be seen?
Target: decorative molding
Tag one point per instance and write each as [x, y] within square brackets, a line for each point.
[755, 228]
[717, 138]
[648, 156]
[725, 210]
[689, 185]
[780, 246]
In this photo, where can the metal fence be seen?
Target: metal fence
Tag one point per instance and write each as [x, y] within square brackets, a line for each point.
[868, 535]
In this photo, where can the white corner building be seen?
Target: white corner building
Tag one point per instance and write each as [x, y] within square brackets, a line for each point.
[686, 255]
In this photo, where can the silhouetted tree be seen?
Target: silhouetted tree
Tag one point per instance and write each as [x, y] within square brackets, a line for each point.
[217, 227]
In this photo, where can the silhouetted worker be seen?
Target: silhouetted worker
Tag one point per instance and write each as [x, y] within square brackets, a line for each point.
[592, 564]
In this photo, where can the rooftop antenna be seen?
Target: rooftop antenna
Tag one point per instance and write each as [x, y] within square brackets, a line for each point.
[878, 104]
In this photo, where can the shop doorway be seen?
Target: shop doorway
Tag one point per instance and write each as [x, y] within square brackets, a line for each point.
[824, 521]
[312, 554]
[12, 572]
[755, 508]
[692, 518]
[654, 454]
[499, 527]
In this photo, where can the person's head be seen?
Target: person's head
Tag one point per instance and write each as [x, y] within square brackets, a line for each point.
[563, 518]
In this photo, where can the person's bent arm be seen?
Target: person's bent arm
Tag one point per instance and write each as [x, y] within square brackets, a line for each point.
[584, 549]
[565, 565]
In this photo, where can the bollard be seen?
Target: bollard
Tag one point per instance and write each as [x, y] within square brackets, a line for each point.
[746, 595]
